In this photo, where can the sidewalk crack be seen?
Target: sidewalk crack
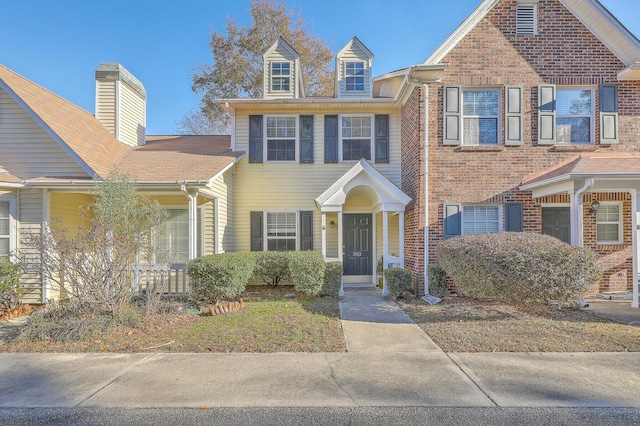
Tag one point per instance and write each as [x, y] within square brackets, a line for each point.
[471, 376]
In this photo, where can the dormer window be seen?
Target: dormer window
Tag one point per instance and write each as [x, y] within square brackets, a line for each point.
[526, 19]
[280, 76]
[354, 76]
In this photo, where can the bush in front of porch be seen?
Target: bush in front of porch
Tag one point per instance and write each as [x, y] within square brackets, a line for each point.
[519, 268]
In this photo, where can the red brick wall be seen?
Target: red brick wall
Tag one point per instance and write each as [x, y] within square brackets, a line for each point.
[564, 52]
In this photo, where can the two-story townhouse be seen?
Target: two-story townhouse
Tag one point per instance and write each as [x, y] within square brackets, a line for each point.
[321, 173]
[535, 127]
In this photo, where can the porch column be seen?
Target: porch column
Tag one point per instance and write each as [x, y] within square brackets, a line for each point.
[385, 250]
[401, 237]
[46, 282]
[340, 251]
[324, 235]
[575, 204]
[193, 238]
[635, 222]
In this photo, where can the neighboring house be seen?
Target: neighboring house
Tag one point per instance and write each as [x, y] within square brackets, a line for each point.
[52, 152]
[534, 126]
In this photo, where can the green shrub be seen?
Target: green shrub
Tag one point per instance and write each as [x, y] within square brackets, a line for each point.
[519, 268]
[306, 270]
[437, 281]
[220, 276]
[272, 267]
[10, 291]
[332, 279]
[398, 281]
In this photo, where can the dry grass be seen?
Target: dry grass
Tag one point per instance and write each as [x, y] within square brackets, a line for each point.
[465, 325]
[269, 322]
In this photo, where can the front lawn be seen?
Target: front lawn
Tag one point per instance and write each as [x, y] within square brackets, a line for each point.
[269, 322]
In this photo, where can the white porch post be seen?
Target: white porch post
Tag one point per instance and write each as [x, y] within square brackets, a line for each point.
[193, 238]
[324, 235]
[46, 283]
[401, 237]
[385, 250]
[340, 251]
[216, 226]
[575, 204]
[635, 222]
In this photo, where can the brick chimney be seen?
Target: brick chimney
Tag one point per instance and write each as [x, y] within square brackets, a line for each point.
[121, 103]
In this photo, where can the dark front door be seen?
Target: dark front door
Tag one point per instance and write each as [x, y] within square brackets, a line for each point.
[358, 244]
[556, 221]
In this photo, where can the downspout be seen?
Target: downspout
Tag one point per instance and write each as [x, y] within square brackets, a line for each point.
[577, 214]
[426, 189]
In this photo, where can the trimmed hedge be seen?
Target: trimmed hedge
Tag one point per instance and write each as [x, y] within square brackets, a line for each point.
[10, 291]
[306, 270]
[332, 279]
[398, 281]
[271, 266]
[437, 281]
[519, 268]
[220, 276]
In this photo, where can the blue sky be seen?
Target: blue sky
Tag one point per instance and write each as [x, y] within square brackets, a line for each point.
[59, 44]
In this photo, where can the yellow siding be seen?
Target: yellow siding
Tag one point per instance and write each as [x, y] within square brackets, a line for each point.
[106, 104]
[30, 221]
[28, 151]
[223, 189]
[208, 223]
[333, 251]
[64, 209]
[394, 236]
[132, 124]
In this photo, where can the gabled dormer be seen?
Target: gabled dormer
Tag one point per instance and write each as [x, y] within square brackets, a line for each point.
[353, 70]
[282, 76]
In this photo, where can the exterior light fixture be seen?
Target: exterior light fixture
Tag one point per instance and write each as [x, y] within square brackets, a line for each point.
[332, 224]
[595, 206]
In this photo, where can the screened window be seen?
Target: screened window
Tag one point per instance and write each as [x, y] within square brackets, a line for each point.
[480, 116]
[173, 246]
[356, 137]
[608, 224]
[480, 219]
[574, 115]
[281, 231]
[280, 76]
[281, 138]
[354, 76]
[5, 230]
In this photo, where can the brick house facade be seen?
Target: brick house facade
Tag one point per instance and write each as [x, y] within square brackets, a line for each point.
[486, 57]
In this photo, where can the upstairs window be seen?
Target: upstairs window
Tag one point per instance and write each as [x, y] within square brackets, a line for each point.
[480, 116]
[354, 76]
[281, 138]
[356, 137]
[574, 115]
[280, 76]
[526, 19]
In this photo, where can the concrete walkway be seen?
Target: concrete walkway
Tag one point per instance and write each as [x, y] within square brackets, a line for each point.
[390, 363]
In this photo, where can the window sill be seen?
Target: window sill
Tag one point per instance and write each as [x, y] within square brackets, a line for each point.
[479, 148]
[573, 148]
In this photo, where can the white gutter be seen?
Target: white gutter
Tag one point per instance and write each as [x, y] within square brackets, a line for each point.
[577, 214]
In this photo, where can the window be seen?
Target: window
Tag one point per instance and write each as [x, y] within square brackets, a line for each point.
[574, 111]
[6, 242]
[281, 231]
[526, 19]
[480, 116]
[608, 224]
[280, 76]
[356, 137]
[281, 138]
[354, 76]
[174, 242]
[480, 219]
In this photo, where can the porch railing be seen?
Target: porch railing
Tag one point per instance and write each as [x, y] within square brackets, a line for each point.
[163, 278]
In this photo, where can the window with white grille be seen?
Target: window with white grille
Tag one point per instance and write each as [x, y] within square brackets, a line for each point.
[526, 19]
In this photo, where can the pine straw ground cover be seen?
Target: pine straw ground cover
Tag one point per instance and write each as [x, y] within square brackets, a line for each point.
[460, 324]
[268, 322]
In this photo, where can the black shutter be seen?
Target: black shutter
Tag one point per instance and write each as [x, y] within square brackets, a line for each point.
[306, 230]
[382, 138]
[255, 139]
[330, 138]
[306, 139]
[608, 114]
[256, 231]
[514, 215]
[452, 220]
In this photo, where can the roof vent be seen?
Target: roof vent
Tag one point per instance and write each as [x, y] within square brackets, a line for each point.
[526, 19]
